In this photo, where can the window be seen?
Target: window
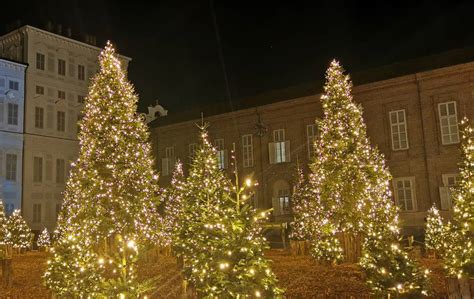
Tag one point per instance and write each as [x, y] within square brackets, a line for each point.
[80, 99]
[81, 72]
[11, 160]
[37, 169]
[405, 193]
[192, 149]
[311, 135]
[445, 192]
[79, 118]
[448, 121]
[168, 162]
[284, 201]
[247, 150]
[39, 90]
[14, 85]
[398, 127]
[61, 67]
[279, 149]
[60, 168]
[61, 121]
[221, 154]
[36, 212]
[61, 94]
[12, 114]
[40, 61]
[39, 117]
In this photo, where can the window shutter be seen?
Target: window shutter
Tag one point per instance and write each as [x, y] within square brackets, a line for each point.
[276, 206]
[272, 152]
[2, 110]
[49, 117]
[164, 167]
[287, 151]
[49, 168]
[445, 198]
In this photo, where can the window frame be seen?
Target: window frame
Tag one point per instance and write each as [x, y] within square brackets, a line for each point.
[412, 189]
[38, 169]
[11, 170]
[39, 117]
[61, 121]
[12, 114]
[395, 129]
[61, 67]
[247, 150]
[311, 138]
[449, 126]
[81, 72]
[40, 61]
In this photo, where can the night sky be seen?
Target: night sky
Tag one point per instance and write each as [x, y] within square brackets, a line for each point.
[272, 45]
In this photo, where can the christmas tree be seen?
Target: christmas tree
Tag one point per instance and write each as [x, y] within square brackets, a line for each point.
[107, 212]
[220, 236]
[173, 198]
[19, 233]
[435, 231]
[44, 239]
[459, 257]
[300, 207]
[351, 194]
[3, 224]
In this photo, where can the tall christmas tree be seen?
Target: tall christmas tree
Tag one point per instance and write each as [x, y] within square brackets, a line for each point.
[350, 189]
[459, 257]
[106, 215]
[173, 201]
[220, 236]
[300, 207]
[19, 233]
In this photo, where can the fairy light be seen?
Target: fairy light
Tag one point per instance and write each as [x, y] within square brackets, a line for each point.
[18, 232]
[44, 240]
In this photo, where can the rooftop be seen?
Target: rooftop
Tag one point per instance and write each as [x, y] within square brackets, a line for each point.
[403, 68]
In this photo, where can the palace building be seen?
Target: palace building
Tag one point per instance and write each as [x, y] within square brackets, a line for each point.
[411, 109]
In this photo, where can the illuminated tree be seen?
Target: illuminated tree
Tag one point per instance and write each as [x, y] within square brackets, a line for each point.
[107, 212]
[351, 194]
[19, 233]
[300, 208]
[44, 240]
[435, 231]
[220, 236]
[459, 257]
[173, 198]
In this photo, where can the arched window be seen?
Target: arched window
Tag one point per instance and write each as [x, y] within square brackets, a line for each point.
[281, 199]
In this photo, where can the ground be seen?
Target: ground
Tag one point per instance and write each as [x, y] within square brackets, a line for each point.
[298, 275]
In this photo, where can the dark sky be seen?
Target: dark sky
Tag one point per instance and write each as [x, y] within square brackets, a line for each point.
[269, 45]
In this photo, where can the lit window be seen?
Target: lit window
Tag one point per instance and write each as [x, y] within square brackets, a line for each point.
[398, 127]
[445, 191]
[284, 201]
[168, 162]
[279, 149]
[221, 154]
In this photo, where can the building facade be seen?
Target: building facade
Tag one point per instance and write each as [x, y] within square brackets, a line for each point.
[412, 119]
[56, 84]
[12, 99]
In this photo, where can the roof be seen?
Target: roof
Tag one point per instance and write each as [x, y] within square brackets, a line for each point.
[26, 27]
[14, 61]
[412, 66]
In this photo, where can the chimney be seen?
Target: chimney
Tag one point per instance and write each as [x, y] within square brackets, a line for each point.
[59, 29]
[49, 26]
[69, 32]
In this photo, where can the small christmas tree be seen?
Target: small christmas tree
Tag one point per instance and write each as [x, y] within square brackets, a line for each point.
[19, 233]
[300, 206]
[44, 240]
[220, 235]
[351, 194]
[173, 198]
[435, 231]
[3, 224]
[108, 210]
[459, 257]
